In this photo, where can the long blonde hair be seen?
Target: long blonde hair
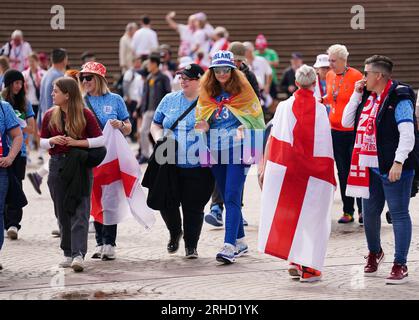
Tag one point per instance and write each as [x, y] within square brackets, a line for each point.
[75, 122]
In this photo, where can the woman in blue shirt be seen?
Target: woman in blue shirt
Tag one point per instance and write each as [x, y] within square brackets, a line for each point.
[106, 106]
[195, 183]
[14, 93]
[9, 128]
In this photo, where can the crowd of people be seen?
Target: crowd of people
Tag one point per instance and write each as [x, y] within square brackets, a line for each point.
[365, 123]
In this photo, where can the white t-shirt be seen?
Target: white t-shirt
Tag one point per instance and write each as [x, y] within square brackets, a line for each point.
[135, 84]
[30, 86]
[186, 36]
[144, 41]
[21, 53]
[220, 44]
[261, 68]
[202, 42]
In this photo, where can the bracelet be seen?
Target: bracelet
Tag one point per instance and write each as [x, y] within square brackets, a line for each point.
[398, 162]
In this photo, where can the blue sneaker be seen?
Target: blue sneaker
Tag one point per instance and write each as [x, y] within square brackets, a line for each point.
[241, 249]
[227, 254]
[215, 217]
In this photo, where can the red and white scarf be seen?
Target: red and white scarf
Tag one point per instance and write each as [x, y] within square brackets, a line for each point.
[364, 155]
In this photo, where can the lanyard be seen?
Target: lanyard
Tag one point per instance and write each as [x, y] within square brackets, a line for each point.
[335, 92]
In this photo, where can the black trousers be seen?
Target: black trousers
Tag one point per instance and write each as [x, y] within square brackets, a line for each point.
[105, 234]
[342, 151]
[13, 214]
[195, 186]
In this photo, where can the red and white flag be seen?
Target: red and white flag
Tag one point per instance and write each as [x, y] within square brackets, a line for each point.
[117, 191]
[299, 183]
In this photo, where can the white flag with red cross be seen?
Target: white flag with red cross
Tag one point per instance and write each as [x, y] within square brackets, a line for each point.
[117, 191]
[299, 183]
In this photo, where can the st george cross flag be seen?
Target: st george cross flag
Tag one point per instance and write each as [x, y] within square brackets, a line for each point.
[117, 191]
[299, 183]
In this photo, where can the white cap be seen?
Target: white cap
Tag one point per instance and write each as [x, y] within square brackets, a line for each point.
[322, 60]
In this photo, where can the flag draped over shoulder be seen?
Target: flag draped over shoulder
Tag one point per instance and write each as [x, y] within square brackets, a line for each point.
[299, 183]
[117, 190]
[245, 106]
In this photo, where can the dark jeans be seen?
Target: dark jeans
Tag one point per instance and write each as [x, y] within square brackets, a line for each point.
[105, 234]
[397, 195]
[74, 227]
[4, 185]
[13, 214]
[132, 106]
[342, 151]
[195, 187]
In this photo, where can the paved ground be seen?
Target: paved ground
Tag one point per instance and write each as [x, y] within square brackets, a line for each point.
[144, 270]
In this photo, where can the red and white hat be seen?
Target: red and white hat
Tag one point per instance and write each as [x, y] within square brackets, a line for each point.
[261, 42]
[94, 67]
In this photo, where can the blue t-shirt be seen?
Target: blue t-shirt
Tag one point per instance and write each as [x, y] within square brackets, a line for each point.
[168, 111]
[47, 85]
[225, 125]
[8, 121]
[28, 114]
[109, 106]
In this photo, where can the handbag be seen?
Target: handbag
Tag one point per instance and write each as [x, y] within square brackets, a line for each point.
[161, 179]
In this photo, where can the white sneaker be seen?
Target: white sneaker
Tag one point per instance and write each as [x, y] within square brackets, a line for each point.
[227, 254]
[108, 252]
[66, 263]
[98, 252]
[78, 264]
[241, 248]
[12, 233]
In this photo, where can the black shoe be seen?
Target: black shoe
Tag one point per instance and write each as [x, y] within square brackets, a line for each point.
[36, 181]
[360, 219]
[173, 244]
[191, 253]
[388, 217]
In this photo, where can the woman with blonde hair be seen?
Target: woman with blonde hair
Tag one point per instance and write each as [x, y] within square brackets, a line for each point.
[228, 105]
[106, 106]
[68, 130]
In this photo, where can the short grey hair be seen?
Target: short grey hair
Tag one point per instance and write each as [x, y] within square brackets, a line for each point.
[249, 46]
[131, 26]
[305, 76]
[338, 50]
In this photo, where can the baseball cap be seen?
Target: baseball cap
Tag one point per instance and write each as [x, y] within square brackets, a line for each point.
[238, 50]
[223, 59]
[192, 71]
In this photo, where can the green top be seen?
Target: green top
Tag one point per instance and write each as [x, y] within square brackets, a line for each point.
[271, 56]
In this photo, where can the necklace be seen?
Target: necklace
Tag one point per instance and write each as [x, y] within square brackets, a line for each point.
[335, 92]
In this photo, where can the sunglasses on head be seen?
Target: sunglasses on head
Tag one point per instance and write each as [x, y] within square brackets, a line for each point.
[88, 78]
[222, 70]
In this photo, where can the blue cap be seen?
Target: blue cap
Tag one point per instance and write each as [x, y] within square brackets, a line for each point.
[223, 59]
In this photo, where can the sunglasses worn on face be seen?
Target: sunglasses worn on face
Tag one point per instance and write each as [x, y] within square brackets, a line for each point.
[88, 78]
[222, 70]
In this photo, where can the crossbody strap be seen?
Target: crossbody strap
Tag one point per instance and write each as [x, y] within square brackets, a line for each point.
[86, 99]
[183, 115]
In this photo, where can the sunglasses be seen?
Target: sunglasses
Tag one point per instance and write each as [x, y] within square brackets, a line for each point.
[367, 72]
[222, 70]
[88, 78]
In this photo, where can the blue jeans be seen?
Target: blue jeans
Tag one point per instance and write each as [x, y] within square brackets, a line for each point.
[397, 195]
[230, 180]
[4, 185]
[105, 234]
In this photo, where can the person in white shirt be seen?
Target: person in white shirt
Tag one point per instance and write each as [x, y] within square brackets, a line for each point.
[185, 31]
[133, 85]
[126, 54]
[145, 39]
[201, 42]
[263, 72]
[220, 38]
[17, 50]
